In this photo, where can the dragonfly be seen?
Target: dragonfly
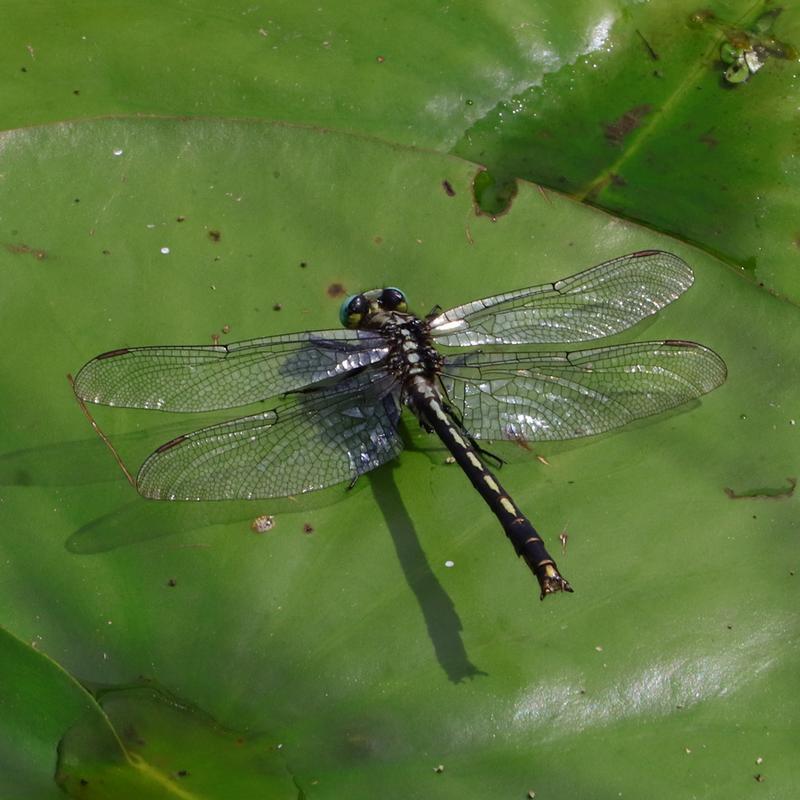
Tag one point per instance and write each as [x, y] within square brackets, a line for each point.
[499, 368]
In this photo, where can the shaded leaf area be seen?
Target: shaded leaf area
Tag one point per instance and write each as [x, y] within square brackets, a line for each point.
[172, 750]
[38, 702]
[648, 126]
[340, 632]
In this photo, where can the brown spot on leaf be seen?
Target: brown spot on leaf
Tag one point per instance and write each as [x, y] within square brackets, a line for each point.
[130, 734]
[616, 131]
[215, 236]
[24, 249]
[708, 139]
[448, 189]
[336, 290]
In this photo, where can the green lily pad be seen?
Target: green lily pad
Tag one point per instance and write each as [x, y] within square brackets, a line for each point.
[645, 122]
[625, 105]
[170, 750]
[39, 701]
[340, 634]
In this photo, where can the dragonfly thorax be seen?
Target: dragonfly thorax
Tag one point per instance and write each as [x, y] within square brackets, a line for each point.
[411, 352]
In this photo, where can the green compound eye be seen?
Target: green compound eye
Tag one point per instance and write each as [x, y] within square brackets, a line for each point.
[392, 299]
[352, 310]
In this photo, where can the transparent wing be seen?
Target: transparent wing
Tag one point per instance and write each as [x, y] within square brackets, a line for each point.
[206, 378]
[315, 440]
[598, 302]
[550, 396]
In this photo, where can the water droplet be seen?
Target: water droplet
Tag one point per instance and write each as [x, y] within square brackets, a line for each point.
[449, 563]
[117, 151]
[165, 250]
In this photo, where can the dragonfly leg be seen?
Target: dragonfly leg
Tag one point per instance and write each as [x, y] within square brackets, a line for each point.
[488, 454]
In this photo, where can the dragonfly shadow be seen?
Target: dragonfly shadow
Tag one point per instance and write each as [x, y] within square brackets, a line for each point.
[441, 619]
[54, 465]
[80, 462]
[141, 520]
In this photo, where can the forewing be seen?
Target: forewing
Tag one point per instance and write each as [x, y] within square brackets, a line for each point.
[598, 302]
[314, 440]
[205, 378]
[551, 396]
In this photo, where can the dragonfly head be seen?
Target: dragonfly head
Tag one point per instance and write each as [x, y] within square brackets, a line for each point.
[358, 308]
